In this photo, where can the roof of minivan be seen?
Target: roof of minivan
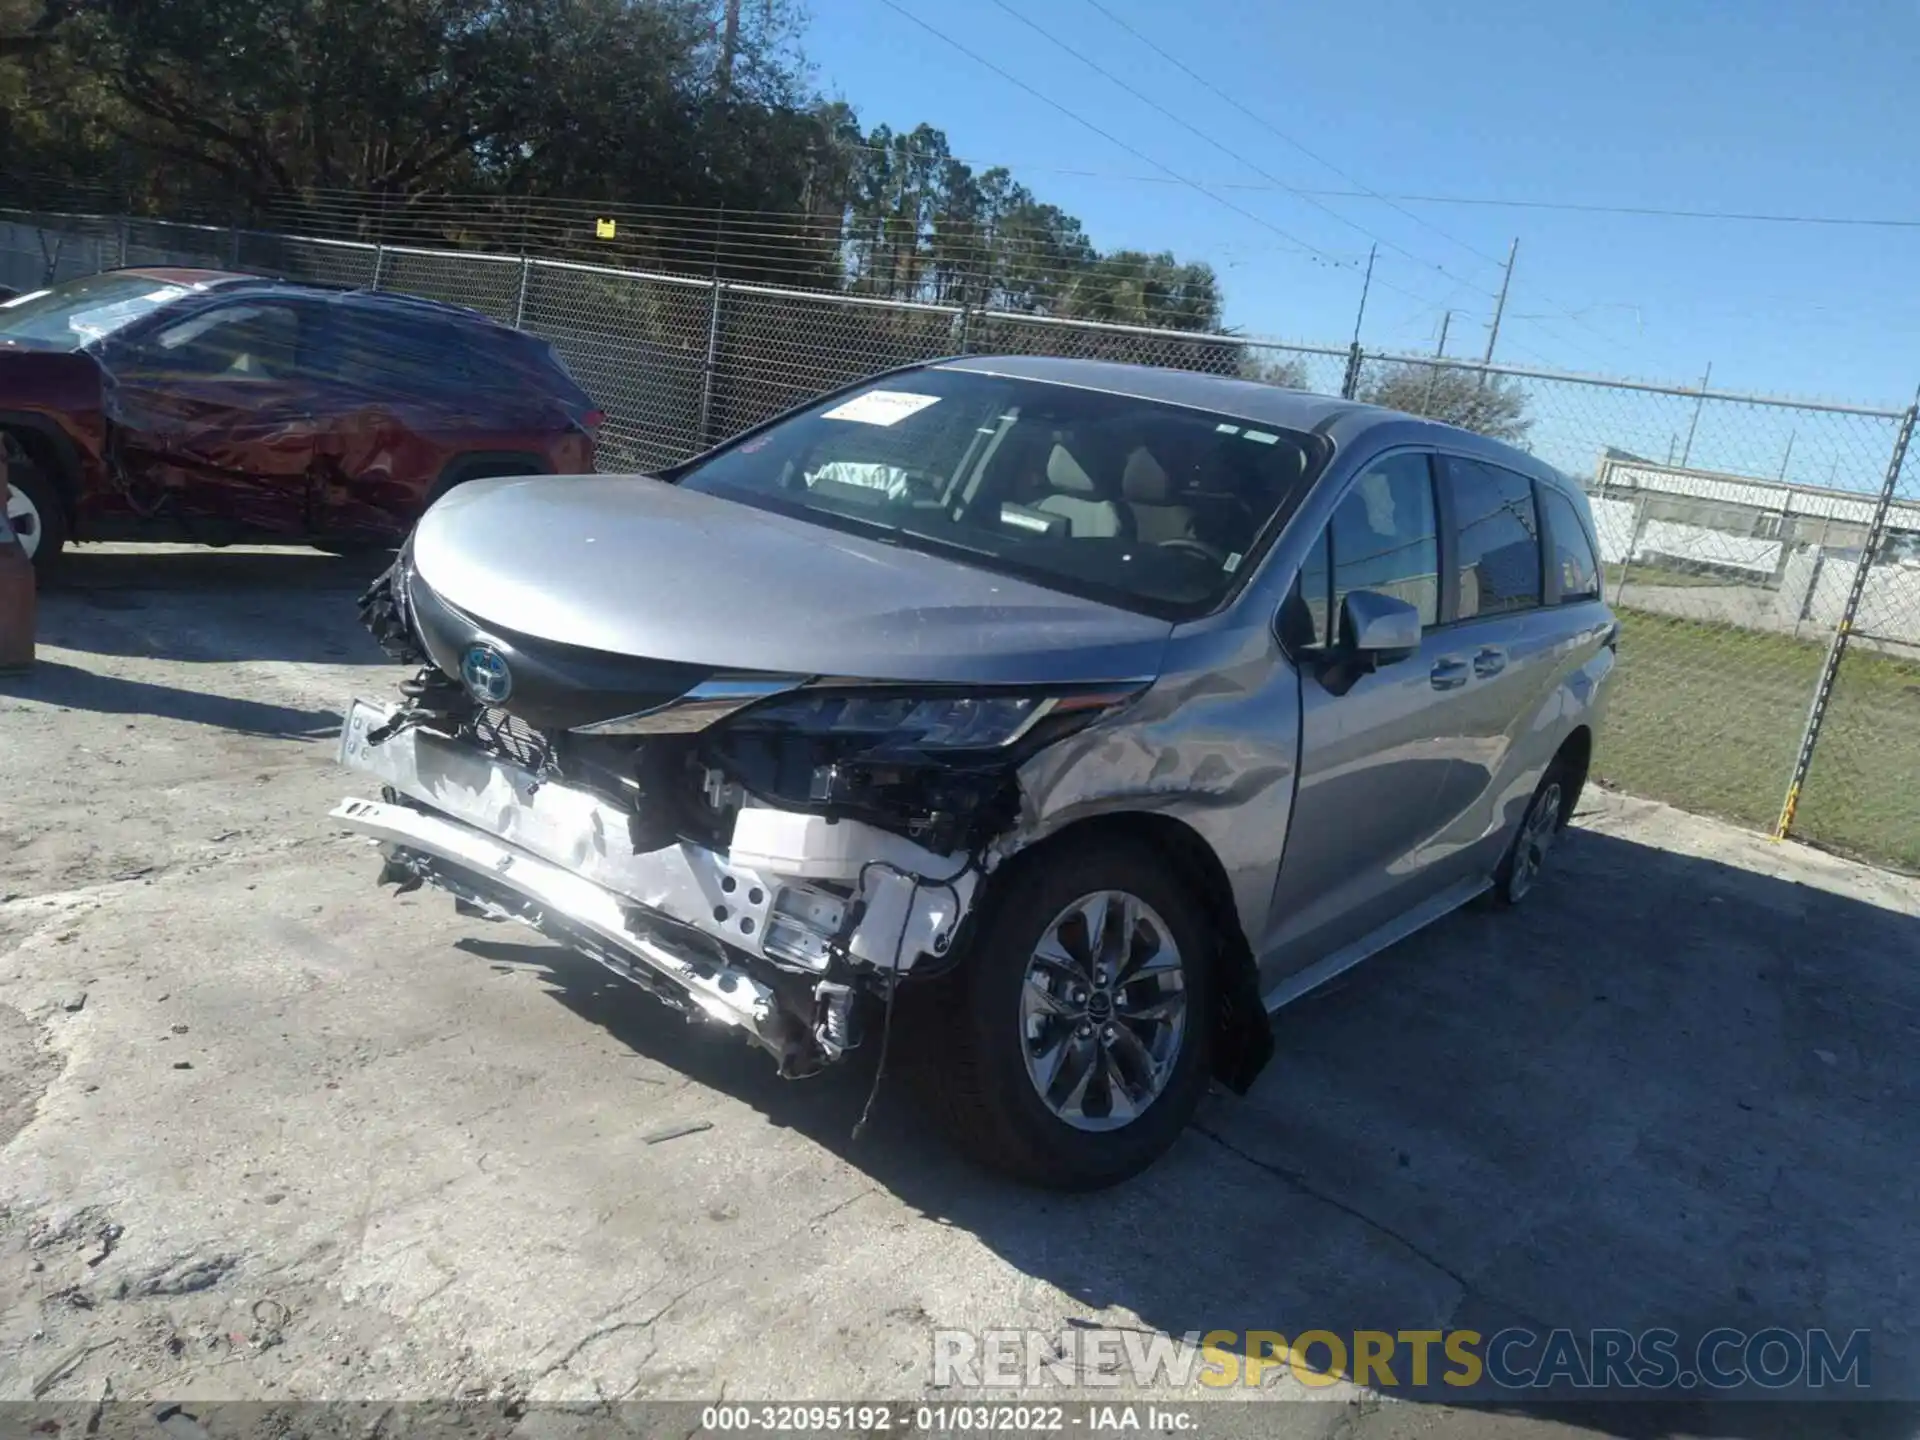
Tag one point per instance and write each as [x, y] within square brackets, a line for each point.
[1243, 399]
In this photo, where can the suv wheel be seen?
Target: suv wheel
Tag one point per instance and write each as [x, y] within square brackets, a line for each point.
[35, 513]
[1546, 817]
[1074, 1041]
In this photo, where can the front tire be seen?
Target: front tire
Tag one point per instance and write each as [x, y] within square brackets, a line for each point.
[1071, 1042]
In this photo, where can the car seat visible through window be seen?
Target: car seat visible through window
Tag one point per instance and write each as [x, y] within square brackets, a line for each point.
[1073, 495]
[1149, 494]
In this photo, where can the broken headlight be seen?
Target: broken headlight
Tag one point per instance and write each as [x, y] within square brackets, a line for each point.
[928, 722]
[934, 765]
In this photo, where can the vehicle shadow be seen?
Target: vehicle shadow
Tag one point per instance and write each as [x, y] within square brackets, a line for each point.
[211, 606]
[1668, 1092]
[52, 683]
[199, 567]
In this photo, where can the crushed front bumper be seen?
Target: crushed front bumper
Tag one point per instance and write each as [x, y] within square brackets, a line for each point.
[798, 909]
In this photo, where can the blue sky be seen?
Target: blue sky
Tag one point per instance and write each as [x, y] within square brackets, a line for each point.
[1758, 106]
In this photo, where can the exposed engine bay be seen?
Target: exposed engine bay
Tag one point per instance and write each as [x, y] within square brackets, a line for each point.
[773, 852]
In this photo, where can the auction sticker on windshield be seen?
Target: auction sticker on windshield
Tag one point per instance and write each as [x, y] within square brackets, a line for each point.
[880, 407]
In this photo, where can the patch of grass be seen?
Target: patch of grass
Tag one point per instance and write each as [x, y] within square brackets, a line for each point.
[1709, 717]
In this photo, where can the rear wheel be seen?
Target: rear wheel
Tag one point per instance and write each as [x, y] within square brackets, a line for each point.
[1071, 1045]
[1546, 817]
[35, 512]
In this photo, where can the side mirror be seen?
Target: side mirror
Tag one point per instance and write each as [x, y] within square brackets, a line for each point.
[1378, 629]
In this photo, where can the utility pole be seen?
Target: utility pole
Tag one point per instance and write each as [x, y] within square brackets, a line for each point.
[1433, 371]
[1500, 305]
[1350, 384]
[1694, 423]
[1365, 286]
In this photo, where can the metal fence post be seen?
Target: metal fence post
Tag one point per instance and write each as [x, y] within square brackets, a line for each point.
[966, 321]
[233, 246]
[1837, 648]
[379, 262]
[712, 365]
[1350, 383]
[121, 240]
[520, 302]
[1633, 544]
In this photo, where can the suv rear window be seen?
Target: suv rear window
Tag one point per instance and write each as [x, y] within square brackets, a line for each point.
[1573, 559]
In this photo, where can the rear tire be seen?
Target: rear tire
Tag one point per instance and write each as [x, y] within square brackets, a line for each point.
[1011, 1017]
[37, 514]
[1546, 816]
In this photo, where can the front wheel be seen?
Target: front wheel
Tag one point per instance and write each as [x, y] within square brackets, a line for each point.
[1072, 1042]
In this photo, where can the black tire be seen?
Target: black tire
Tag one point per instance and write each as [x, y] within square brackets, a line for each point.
[974, 1066]
[1515, 879]
[49, 511]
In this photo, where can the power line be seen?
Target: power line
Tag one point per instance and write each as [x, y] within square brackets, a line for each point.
[1661, 211]
[1321, 160]
[1219, 145]
[1306, 247]
[1275, 130]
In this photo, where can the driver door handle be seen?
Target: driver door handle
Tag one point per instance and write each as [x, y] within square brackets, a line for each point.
[1450, 673]
[1489, 662]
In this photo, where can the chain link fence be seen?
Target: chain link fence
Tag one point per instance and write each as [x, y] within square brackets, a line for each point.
[1763, 555]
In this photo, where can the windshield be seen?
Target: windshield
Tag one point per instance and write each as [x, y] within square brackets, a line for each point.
[69, 315]
[1152, 507]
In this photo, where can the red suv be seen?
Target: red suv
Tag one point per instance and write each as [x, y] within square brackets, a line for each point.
[211, 407]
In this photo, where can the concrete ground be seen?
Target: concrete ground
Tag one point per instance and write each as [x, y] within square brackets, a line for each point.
[271, 1133]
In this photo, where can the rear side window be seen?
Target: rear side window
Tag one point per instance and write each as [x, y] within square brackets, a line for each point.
[1385, 539]
[413, 354]
[1573, 558]
[248, 340]
[1497, 554]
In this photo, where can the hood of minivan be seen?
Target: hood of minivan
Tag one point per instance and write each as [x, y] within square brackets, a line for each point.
[629, 565]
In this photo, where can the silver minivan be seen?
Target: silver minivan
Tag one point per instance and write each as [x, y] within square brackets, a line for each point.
[1081, 713]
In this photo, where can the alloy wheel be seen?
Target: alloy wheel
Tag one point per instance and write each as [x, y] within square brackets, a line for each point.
[24, 518]
[1103, 1010]
[1537, 834]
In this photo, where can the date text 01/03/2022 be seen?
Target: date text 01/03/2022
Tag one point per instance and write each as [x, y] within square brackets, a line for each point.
[960, 1418]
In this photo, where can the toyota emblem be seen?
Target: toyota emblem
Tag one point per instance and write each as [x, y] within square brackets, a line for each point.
[484, 669]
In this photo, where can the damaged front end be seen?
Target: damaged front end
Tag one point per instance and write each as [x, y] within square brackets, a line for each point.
[772, 852]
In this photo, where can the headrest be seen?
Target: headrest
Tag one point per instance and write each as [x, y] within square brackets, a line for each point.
[1145, 481]
[1064, 472]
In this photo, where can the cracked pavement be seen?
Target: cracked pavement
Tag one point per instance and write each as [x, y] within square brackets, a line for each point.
[273, 1133]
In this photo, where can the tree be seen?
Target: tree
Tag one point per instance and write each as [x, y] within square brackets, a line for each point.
[1494, 405]
[1130, 287]
[1288, 374]
[494, 123]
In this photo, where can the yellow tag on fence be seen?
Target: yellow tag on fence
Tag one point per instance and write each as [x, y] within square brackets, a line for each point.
[603, 229]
